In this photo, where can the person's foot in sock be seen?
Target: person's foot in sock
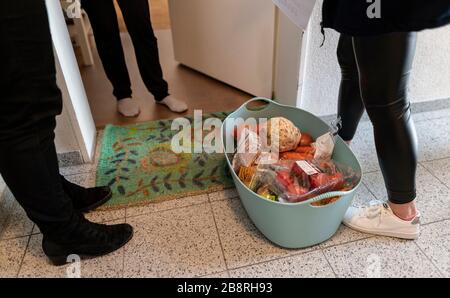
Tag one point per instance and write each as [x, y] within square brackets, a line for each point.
[128, 107]
[86, 199]
[174, 104]
[87, 240]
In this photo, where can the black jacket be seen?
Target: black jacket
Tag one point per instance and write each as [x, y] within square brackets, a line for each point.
[350, 16]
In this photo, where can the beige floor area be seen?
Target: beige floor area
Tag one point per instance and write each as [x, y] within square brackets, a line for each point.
[211, 235]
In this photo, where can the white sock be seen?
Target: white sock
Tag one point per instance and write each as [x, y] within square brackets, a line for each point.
[128, 107]
[175, 105]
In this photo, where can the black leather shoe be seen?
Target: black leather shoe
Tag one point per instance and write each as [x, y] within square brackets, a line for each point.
[87, 240]
[86, 199]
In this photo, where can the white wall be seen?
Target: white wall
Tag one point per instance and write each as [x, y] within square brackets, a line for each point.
[430, 78]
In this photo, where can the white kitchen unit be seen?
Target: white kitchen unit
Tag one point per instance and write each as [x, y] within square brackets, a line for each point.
[247, 44]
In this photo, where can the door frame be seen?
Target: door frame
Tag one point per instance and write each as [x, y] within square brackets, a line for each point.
[70, 82]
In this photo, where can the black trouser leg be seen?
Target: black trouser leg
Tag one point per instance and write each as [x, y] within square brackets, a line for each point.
[350, 104]
[29, 102]
[103, 18]
[30, 169]
[136, 14]
[384, 63]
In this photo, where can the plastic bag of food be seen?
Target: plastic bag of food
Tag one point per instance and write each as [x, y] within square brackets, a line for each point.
[265, 176]
[324, 145]
[246, 174]
[307, 179]
[247, 151]
[266, 192]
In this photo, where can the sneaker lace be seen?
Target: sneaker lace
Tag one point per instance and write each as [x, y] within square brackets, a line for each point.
[375, 209]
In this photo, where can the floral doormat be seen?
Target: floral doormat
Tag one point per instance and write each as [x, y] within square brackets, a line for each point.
[137, 162]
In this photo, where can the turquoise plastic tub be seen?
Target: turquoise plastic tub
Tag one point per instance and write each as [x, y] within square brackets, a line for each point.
[293, 225]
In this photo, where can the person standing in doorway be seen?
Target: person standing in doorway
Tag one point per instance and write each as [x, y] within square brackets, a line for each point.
[136, 13]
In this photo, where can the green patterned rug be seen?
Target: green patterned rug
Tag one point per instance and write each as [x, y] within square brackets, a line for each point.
[137, 162]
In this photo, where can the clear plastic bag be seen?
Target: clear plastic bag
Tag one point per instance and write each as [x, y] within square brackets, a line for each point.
[263, 180]
[301, 180]
[248, 149]
[266, 174]
[324, 145]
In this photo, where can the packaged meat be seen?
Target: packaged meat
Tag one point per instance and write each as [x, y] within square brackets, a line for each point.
[307, 179]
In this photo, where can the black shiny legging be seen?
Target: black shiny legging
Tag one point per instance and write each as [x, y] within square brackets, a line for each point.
[375, 76]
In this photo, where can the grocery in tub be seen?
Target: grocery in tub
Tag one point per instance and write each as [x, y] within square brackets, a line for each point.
[281, 163]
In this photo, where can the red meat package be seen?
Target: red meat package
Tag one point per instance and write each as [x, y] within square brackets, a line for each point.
[307, 179]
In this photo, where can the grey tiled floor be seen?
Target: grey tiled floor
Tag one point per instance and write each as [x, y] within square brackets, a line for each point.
[211, 235]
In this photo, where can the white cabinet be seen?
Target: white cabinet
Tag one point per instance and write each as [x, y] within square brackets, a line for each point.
[236, 42]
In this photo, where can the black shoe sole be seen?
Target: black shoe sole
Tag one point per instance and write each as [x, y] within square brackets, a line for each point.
[62, 260]
[96, 204]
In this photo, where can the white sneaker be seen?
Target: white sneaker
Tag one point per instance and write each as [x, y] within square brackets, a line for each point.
[379, 219]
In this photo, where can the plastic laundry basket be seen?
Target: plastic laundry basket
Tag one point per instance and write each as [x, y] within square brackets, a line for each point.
[301, 224]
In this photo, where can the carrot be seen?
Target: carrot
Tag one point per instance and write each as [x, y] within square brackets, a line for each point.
[305, 149]
[296, 156]
[306, 139]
